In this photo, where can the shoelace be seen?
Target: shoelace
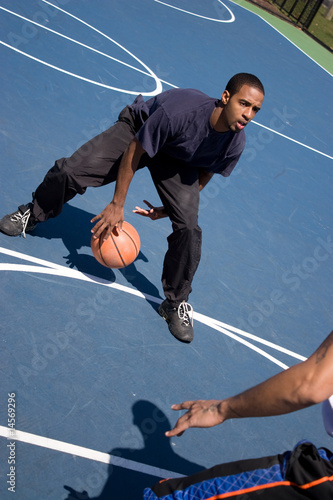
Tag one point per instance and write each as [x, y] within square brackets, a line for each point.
[185, 313]
[23, 218]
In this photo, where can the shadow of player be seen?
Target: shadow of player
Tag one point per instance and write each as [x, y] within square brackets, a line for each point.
[73, 227]
[126, 484]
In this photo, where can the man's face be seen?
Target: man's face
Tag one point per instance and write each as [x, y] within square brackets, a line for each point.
[239, 109]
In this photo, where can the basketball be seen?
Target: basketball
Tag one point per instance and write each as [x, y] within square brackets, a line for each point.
[117, 251]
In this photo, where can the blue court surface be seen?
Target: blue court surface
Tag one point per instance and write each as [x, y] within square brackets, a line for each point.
[90, 364]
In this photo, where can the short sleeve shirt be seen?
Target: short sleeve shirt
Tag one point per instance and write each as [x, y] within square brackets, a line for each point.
[327, 412]
[177, 123]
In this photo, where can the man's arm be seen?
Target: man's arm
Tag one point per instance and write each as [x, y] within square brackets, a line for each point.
[298, 387]
[155, 213]
[113, 213]
[204, 178]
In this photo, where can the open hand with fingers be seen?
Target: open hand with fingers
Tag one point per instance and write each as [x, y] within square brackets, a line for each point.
[109, 220]
[153, 213]
[199, 413]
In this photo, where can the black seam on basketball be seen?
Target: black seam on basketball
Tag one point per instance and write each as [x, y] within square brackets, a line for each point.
[133, 241]
[100, 249]
[115, 245]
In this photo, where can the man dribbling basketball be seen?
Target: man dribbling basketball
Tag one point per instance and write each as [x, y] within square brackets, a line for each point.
[183, 137]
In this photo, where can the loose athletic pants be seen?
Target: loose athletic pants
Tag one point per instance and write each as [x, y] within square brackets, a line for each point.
[96, 163]
[303, 473]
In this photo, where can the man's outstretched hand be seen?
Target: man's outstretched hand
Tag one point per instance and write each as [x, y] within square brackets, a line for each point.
[199, 413]
[110, 219]
[153, 213]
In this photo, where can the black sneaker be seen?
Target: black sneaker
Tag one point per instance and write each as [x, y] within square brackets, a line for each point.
[179, 319]
[18, 222]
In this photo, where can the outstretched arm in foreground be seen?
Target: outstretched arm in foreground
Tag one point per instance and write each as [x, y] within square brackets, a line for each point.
[298, 387]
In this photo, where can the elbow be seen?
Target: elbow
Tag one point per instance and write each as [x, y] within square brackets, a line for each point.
[312, 392]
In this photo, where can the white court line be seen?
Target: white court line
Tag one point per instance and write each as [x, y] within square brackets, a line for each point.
[218, 325]
[256, 123]
[284, 36]
[65, 71]
[80, 451]
[293, 140]
[150, 72]
[74, 41]
[249, 345]
[58, 270]
[231, 20]
[197, 316]
[83, 45]
[157, 90]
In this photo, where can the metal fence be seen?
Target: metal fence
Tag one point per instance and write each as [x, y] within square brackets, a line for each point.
[299, 11]
[302, 14]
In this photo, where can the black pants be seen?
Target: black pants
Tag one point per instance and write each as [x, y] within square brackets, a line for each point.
[97, 162]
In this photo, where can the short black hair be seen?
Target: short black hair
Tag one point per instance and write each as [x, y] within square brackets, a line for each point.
[237, 81]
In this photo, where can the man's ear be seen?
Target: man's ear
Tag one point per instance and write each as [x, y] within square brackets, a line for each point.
[225, 97]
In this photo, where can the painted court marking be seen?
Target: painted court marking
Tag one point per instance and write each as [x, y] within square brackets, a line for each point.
[284, 36]
[149, 72]
[46, 267]
[231, 20]
[293, 140]
[157, 90]
[80, 451]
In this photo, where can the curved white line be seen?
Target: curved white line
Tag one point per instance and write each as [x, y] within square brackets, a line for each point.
[211, 19]
[86, 46]
[219, 325]
[150, 73]
[157, 80]
[74, 41]
[73, 74]
[58, 270]
[231, 20]
[249, 345]
[71, 273]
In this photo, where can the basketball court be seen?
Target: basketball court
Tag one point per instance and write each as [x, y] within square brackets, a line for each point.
[91, 366]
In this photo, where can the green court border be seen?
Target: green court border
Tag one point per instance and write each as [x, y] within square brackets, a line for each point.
[304, 42]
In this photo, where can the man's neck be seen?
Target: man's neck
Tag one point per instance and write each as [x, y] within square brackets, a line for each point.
[215, 119]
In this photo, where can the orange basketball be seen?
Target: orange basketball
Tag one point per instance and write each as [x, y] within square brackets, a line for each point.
[117, 251]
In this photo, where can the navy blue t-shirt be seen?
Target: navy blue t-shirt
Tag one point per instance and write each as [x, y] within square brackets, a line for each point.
[177, 123]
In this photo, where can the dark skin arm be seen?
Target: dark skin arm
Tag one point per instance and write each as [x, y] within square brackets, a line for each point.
[204, 178]
[298, 387]
[155, 213]
[113, 214]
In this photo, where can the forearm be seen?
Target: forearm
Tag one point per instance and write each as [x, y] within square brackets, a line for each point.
[127, 169]
[113, 214]
[302, 385]
[298, 387]
[276, 396]
[204, 178]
